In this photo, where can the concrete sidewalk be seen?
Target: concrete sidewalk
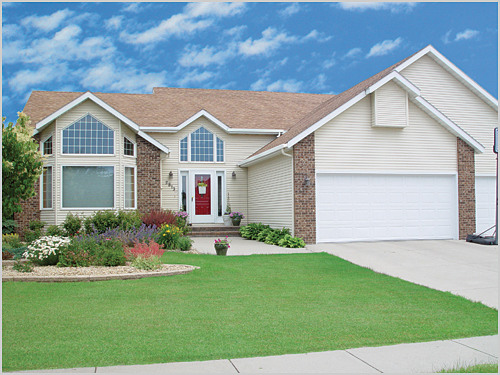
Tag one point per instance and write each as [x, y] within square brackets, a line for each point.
[403, 358]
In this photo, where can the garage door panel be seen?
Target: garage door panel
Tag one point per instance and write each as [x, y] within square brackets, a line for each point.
[360, 207]
[485, 203]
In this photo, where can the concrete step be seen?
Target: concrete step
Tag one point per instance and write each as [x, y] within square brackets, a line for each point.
[214, 233]
[213, 228]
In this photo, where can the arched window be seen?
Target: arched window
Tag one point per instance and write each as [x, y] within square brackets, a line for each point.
[201, 146]
[88, 136]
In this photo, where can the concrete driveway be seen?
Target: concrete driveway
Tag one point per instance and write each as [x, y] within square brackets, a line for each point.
[462, 268]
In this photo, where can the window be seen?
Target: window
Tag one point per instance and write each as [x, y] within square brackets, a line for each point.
[88, 187]
[184, 149]
[128, 147]
[47, 187]
[201, 146]
[129, 187]
[88, 136]
[47, 146]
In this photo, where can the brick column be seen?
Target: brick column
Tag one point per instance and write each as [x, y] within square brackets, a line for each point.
[30, 212]
[466, 189]
[304, 193]
[148, 176]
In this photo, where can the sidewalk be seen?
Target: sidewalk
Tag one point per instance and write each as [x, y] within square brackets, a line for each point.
[403, 358]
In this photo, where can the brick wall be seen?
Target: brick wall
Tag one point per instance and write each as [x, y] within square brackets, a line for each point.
[466, 189]
[304, 194]
[148, 176]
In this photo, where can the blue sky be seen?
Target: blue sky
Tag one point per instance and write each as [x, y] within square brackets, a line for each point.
[297, 47]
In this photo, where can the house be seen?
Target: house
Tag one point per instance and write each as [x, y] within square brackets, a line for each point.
[405, 154]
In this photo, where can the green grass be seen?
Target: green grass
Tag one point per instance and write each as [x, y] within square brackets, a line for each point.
[232, 307]
[483, 368]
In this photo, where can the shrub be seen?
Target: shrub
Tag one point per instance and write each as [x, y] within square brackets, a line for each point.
[54, 230]
[6, 255]
[168, 236]
[184, 243]
[110, 254]
[159, 218]
[8, 226]
[276, 235]
[181, 220]
[35, 230]
[289, 241]
[45, 251]
[263, 234]
[72, 224]
[251, 231]
[81, 252]
[17, 252]
[128, 237]
[147, 263]
[129, 219]
[22, 267]
[37, 225]
[144, 250]
[11, 241]
[101, 221]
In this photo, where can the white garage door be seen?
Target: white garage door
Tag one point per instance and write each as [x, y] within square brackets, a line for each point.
[367, 207]
[485, 203]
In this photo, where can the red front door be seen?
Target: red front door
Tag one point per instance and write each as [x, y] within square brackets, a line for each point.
[202, 194]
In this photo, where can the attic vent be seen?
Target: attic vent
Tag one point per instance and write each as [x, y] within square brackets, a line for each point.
[390, 106]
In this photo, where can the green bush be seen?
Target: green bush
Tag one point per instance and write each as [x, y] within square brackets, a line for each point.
[168, 236]
[252, 231]
[54, 230]
[101, 221]
[11, 240]
[111, 254]
[276, 235]
[37, 225]
[32, 235]
[22, 267]
[129, 219]
[45, 251]
[87, 251]
[263, 234]
[16, 252]
[72, 224]
[293, 242]
[8, 226]
[184, 243]
[147, 263]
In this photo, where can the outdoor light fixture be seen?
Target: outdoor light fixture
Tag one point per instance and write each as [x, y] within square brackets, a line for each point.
[171, 174]
[307, 181]
[234, 174]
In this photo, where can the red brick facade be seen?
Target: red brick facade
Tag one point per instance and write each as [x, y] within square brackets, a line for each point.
[30, 212]
[466, 189]
[304, 186]
[148, 176]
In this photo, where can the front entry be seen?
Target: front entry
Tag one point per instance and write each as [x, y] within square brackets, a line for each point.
[203, 195]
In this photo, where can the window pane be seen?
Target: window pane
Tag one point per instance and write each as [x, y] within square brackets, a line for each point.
[88, 187]
[184, 149]
[47, 147]
[128, 147]
[85, 137]
[129, 187]
[202, 145]
[220, 149]
[47, 187]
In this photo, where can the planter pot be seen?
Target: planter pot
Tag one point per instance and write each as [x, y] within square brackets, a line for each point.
[220, 249]
[202, 189]
[236, 221]
[227, 220]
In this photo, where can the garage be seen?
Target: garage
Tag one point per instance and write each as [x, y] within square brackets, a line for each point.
[372, 207]
[485, 203]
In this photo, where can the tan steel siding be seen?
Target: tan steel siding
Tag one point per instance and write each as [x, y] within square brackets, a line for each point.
[349, 142]
[459, 104]
[390, 106]
[270, 192]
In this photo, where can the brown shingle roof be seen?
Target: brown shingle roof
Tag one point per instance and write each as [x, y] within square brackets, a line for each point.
[327, 107]
[172, 106]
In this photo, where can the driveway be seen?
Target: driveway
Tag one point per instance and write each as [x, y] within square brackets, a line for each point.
[462, 268]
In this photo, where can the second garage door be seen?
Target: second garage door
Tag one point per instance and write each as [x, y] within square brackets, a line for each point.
[371, 207]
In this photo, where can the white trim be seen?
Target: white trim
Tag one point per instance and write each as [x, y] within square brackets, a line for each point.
[52, 190]
[124, 187]
[42, 147]
[325, 119]
[367, 171]
[447, 123]
[134, 148]
[263, 155]
[485, 175]
[89, 208]
[454, 70]
[399, 80]
[154, 142]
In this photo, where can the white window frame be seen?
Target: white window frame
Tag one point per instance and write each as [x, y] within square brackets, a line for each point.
[135, 187]
[214, 136]
[134, 146]
[89, 208]
[84, 155]
[41, 189]
[42, 151]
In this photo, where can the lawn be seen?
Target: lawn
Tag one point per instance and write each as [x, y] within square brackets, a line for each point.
[232, 307]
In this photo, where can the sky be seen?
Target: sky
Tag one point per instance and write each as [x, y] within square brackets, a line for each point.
[293, 47]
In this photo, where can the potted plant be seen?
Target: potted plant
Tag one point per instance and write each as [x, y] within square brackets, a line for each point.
[236, 217]
[226, 218]
[202, 187]
[221, 246]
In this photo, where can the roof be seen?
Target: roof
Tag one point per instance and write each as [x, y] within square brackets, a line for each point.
[170, 107]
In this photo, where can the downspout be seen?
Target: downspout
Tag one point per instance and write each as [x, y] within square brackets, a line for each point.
[284, 153]
[293, 194]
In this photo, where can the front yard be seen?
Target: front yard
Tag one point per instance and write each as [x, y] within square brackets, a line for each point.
[230, 308]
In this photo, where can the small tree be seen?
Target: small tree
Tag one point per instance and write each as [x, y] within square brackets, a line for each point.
[22, 164]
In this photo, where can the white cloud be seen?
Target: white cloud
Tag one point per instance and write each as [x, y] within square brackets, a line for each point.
[270, 41]
[207, 9]
[27, 79]
[131, 8]
[352, 53]
[446, 37]
[392, 7]
[466, 34]
[47, 23]
[196, 56]
[112, 78]
[319, 83]
[10, 30]
[194, 77]
[113, 23]
[383, 48]
[289, 85]
[290, 10]
[316, 35]
[235, 31]
[327, 64]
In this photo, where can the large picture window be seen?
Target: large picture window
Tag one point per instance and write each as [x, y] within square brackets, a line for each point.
[201, 146]
[88, 136]
[129, 187]
[88, 187]
[47, 187]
